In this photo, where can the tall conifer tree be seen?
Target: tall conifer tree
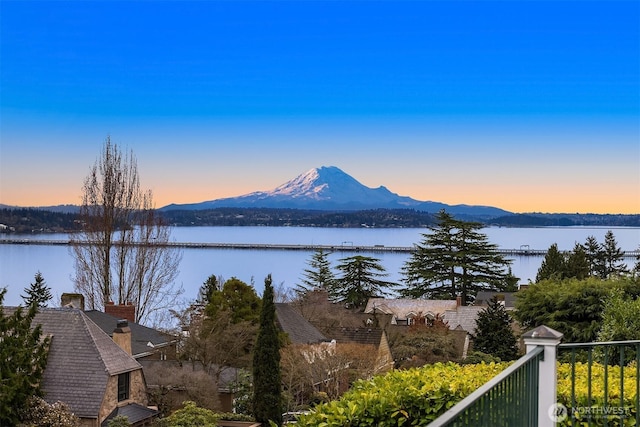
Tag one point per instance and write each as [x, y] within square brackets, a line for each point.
[318, 275]
[23, 357]
[613, 257]
[493, 334]
[554, 265]
[454, 259]
[37, 293]
[267, 397]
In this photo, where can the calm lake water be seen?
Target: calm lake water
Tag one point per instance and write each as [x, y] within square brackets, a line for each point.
[19, 263]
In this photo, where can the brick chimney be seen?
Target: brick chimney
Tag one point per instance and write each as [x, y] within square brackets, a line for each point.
[122, 335]
[121, 311]
[459, 301]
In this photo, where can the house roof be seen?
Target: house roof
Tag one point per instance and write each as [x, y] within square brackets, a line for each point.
[300, 331]
[483, 298]
[369, 336]
[133, 412]
[463, 317]
[403, 307]
[80, 361]
[141, 335]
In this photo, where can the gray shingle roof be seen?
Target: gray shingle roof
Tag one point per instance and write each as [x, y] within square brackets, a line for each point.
[300, 331]
[463, 317]
[370, 336]
[403, 307]
[141, 335]
[483, 298]
[133, 412]
[80, 361]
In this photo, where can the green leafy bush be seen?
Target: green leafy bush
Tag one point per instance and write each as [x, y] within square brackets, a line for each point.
[415, 397]
[409, 397]
[190, 416]
[593, 402]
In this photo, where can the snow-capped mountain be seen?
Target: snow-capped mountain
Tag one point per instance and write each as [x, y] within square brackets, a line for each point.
[329, 188]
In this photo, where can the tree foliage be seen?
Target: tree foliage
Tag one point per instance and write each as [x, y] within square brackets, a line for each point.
[494, 333]
[318, 274]
[573, 307]
[42, 414]
[620, 317]
[208, 288]
[190, 416]
[613, 257]
[553, 266]
[423, 343]
[23, 357]
[454, 259]
[361, 279]
[173, 383]
[121, 253]
[589, 259]
[236, 298]
[267, 400]
[38, 293]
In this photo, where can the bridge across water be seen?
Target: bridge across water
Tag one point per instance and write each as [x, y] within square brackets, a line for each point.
[522, 251]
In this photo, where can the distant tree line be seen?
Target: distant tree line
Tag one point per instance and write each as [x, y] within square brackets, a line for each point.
[32, 220]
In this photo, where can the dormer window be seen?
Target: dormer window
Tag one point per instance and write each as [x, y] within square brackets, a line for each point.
[123, 386]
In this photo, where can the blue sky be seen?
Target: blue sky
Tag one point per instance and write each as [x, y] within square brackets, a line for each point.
[524, 105]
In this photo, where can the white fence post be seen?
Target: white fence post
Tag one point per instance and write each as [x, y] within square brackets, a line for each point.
[547, 385]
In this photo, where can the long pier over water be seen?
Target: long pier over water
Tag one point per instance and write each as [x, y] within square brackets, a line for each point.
[522, 251]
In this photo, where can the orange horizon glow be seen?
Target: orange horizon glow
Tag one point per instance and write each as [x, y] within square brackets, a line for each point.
[530, 200]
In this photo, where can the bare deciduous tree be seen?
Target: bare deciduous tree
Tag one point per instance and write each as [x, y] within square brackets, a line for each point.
[121, 252]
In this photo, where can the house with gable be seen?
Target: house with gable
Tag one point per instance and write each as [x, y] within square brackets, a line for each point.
[146, 343]
[349, 328]
[407, 311]
[89, 371]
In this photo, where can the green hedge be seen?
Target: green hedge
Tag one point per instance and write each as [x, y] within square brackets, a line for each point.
[418, 396]
[413, 397]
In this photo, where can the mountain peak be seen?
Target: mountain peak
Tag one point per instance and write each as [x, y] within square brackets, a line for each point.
[315, 183]
[323, 188]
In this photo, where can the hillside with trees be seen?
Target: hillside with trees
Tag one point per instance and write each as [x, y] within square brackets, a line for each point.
[34, 220]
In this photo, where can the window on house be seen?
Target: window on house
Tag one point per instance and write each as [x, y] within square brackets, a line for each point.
[123, 386]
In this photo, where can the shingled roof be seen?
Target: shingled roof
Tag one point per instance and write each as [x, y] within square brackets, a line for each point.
[402, 308]
[141, 335]
[368, 336]
[80, 361]
[463, 317]
[299, 330]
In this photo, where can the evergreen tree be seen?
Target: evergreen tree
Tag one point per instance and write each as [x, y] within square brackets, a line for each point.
[236, 298]
[38, 293]
[493, 334]
[636, 267]
[267, 400]
[577, 263]
[595, 256]
[360, 280]
[318, 275]
[454, 259]
[23, 357]
[554, 265]
[613, 257]
[208, 289]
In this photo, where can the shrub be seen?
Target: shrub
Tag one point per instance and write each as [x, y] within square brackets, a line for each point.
[190, 416]
[410, 397]
[420, 395]
[597, 398]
